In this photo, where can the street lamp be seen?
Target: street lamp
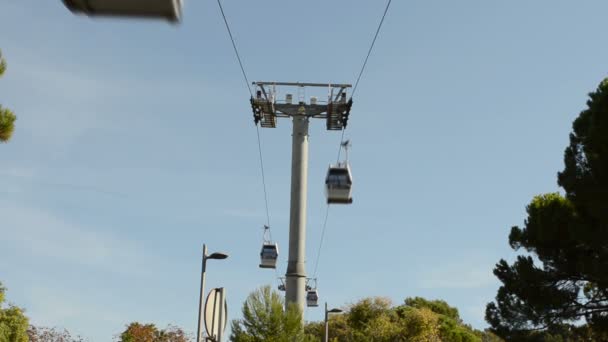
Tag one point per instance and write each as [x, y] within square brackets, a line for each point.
[216, 256]
[170, 10]
[327, 312]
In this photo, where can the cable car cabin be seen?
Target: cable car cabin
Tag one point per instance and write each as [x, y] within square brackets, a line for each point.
[312, 298]
[338, 184]
[269, 255]
[170, 10]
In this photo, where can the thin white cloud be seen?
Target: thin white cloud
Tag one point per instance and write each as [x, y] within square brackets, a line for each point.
[16, 181]
[76, 98]
[50, 308]
[64, 85]
[457, 276]
[38, 233]
[80, 314]
[244, 213]
[66, 105]
[18, 171]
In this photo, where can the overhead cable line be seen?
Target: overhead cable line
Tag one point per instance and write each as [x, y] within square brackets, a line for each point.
[238, 57]
[321, 242]
[257, 129]
[236, 51]
[340, 146]
[388, 4]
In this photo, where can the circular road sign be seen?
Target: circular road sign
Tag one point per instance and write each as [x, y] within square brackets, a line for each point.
[212, 313]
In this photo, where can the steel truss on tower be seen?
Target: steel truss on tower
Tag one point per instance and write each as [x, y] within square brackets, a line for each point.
[267, 107]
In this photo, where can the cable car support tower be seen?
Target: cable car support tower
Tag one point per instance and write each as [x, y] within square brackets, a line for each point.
[266, 109]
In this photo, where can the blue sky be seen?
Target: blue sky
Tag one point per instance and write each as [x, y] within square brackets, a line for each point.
[135, 145]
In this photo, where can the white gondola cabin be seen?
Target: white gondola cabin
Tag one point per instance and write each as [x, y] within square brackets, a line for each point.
[270, 251]
[339, 180]
[339, 184]
[312, 295]
[170, 10]
[269, 255]
[312, 298]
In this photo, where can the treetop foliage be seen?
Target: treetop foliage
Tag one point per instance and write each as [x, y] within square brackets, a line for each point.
[2, 64]
[373, 319]
[437, 306]
[137, 332]
[7, 117]
[418, 319]
[568, 236]
[264, 319]
[585, 176]
[44, 334]
[13, 322]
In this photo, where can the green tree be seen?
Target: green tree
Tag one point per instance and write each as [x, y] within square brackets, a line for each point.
[562, 279]
[13, 322]
[488, 336]
[7, 117]
[137, 332]
[372, 318]
[419, 325]
[44, 334]
[417, 320]
[265, 320]
[451, 327]
[437, 306]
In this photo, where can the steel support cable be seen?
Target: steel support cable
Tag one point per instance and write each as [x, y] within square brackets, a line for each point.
[388, 4]
[327, 214]
[257, 129]
[340, 145]
[321, 241]
[236, 51]
[238, 57]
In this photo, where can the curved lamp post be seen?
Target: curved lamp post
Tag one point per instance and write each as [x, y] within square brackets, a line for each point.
[327, 312]
[216, 256]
